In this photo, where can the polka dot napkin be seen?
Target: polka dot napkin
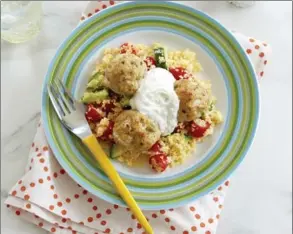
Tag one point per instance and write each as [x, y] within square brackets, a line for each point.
[47, 197]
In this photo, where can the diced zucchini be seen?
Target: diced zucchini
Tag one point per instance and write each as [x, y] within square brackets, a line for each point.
[96, 81]
[107, 147]
[90, 97]
[116, 151]
[160, 57]
[125, 101]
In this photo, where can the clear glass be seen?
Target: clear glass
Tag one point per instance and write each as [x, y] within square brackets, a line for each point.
[20, 20]
[242, 4]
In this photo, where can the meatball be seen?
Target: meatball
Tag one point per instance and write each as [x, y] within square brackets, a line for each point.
[195, 98]
[135, 131]
[124, 72]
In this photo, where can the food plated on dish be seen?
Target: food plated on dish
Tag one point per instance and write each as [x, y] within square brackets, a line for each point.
[146, 105]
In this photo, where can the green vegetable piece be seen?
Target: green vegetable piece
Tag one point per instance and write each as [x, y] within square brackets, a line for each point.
[125, 101]
[116, 151]
[90, 97]
[96, 81]
[107, 147]
[160, 57]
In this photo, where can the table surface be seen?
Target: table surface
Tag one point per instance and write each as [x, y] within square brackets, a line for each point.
[260, 197]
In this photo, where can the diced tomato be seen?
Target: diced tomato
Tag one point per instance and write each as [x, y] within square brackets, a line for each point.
[149, 61]
[127, 47]
[159, 162]
[108, 107]
[156, 148]
[179, 73]
[108, 133]
[92, 114]
[196, 130]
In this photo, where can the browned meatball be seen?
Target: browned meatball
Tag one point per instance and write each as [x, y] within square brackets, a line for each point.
[124, 72]
[135, 131]
[194, 96]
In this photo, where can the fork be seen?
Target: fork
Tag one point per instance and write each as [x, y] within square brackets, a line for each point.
[71, 114]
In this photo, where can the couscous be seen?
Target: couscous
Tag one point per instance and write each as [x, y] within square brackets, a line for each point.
[146, 101]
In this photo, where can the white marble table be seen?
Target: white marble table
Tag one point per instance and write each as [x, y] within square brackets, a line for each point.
[260, 197]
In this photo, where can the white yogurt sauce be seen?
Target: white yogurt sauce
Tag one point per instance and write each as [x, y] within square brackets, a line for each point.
[157, 99]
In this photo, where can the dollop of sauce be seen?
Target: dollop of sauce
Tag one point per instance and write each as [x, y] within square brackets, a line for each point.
[157, 99]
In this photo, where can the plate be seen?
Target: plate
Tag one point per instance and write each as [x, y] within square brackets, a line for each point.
[177, 27]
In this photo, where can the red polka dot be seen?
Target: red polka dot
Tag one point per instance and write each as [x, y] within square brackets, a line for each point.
[251, 40]
[46, 169]
[95, 207]
[63, 212]
[171, 209]
[220, 206]
[76, 196]
[207, 232]
[108, 230]
[42, 160]
[202, 225]
[194, 228]
[264, 44]
[36, 216]
[41, 224]
[185, 232]
[90, 200]
[162, 211]
[116, 206]
[265, 62]
[218, 216]
[49, 178]
[99, 215]
[59, 204]
[129, 230]
[104, 6]
[23, 188]
[197, 216]
[103, 223]
[216, 199]
[74, 232]
[32, 160]
[32, 184]
[172, 228]
[90, 219]
[167, 220]
[62, 171]
[39, 154]
[154, 216]
[68, 200]
[52, 187]
[261, 54]
[55, 196]
[28, 206]
[108, 211]
[89, 14]
[53, 229]
[127, 209]
[81, 223]
[111, 2]
[192, 208]
[211, 220]
[45, 148]
[84, 192]
[51, 207]
[33, 144]
[7, 205]
[55, 174]
[261, 74]
[30, 168]
[26, 197]
[220, 188]
[64, 220]
[82, 18]
[138, 226]
[227, 183]
[13, 193]
[17, 212]
[256, 47]
[97, 10]
[41, 181]
[132, 217]
[248, 51]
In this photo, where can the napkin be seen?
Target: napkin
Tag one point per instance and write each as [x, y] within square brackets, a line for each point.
[47, 197]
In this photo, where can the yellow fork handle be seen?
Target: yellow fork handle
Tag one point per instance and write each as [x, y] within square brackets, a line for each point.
[105, 163]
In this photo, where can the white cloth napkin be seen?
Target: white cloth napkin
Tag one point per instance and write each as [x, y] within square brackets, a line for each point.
[47, 197]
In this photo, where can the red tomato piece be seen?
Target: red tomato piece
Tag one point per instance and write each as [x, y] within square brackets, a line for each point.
[108, 107]
[196, 130]
[127, 47]
[92, 114]
[159, 162]
[108, 133]
[149, 61]
[179, 73]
